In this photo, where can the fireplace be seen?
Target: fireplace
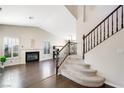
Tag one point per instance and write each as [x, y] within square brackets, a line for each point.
[32, 56]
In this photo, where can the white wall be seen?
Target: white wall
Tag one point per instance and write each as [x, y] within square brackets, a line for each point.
[94, 14]
[26, 34]
[107, 57]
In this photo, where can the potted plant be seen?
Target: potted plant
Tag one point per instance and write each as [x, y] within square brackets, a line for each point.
[3, 60]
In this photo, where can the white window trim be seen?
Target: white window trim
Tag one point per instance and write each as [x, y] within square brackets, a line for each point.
[10, 58]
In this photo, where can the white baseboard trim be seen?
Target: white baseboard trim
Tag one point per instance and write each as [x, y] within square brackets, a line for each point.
[46, 59]
[112, 84]
[14, 64]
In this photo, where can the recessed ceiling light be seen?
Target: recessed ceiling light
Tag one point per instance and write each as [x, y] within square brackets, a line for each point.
[31, 17]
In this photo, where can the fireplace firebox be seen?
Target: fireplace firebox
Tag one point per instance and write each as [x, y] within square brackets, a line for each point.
[32, 56]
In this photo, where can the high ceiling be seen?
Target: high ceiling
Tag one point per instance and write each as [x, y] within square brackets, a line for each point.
[73, 9]
[52, 18]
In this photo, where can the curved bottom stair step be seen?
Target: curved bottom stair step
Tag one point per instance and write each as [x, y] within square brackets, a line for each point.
[85, 71]
[80, 72]
[95, 81]
[78, 75]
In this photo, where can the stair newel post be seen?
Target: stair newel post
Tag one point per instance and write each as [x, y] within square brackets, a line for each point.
[54, 54]
[83, 46]
[69, 46]
[122, 17]
[57, 60]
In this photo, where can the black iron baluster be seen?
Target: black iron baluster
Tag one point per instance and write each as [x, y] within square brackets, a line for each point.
[117, 21]
[88, 43]
[94, 38]
[104, 31]
[91, 40]
[122, 17]
[85, 44]
[100, 34]
[97, 35]
[108, 28]
[112, 25]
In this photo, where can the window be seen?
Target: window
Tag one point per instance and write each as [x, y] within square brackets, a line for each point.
[11, 47]
[46, 47]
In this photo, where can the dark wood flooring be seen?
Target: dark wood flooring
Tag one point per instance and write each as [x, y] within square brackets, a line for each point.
[36, 75]
[26, 75]
[60, 82]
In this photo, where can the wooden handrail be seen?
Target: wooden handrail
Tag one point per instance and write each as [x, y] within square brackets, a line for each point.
[104, 30]
[67, 45]
[103, 20]
[64, 46]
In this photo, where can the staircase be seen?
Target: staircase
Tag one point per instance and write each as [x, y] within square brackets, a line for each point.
[74, 67]
[80, 72]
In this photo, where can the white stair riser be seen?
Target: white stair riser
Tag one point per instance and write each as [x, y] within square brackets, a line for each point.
[81, 71]
[82, 82]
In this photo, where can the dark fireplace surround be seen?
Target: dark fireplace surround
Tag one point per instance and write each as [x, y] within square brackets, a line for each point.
[32, 56]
